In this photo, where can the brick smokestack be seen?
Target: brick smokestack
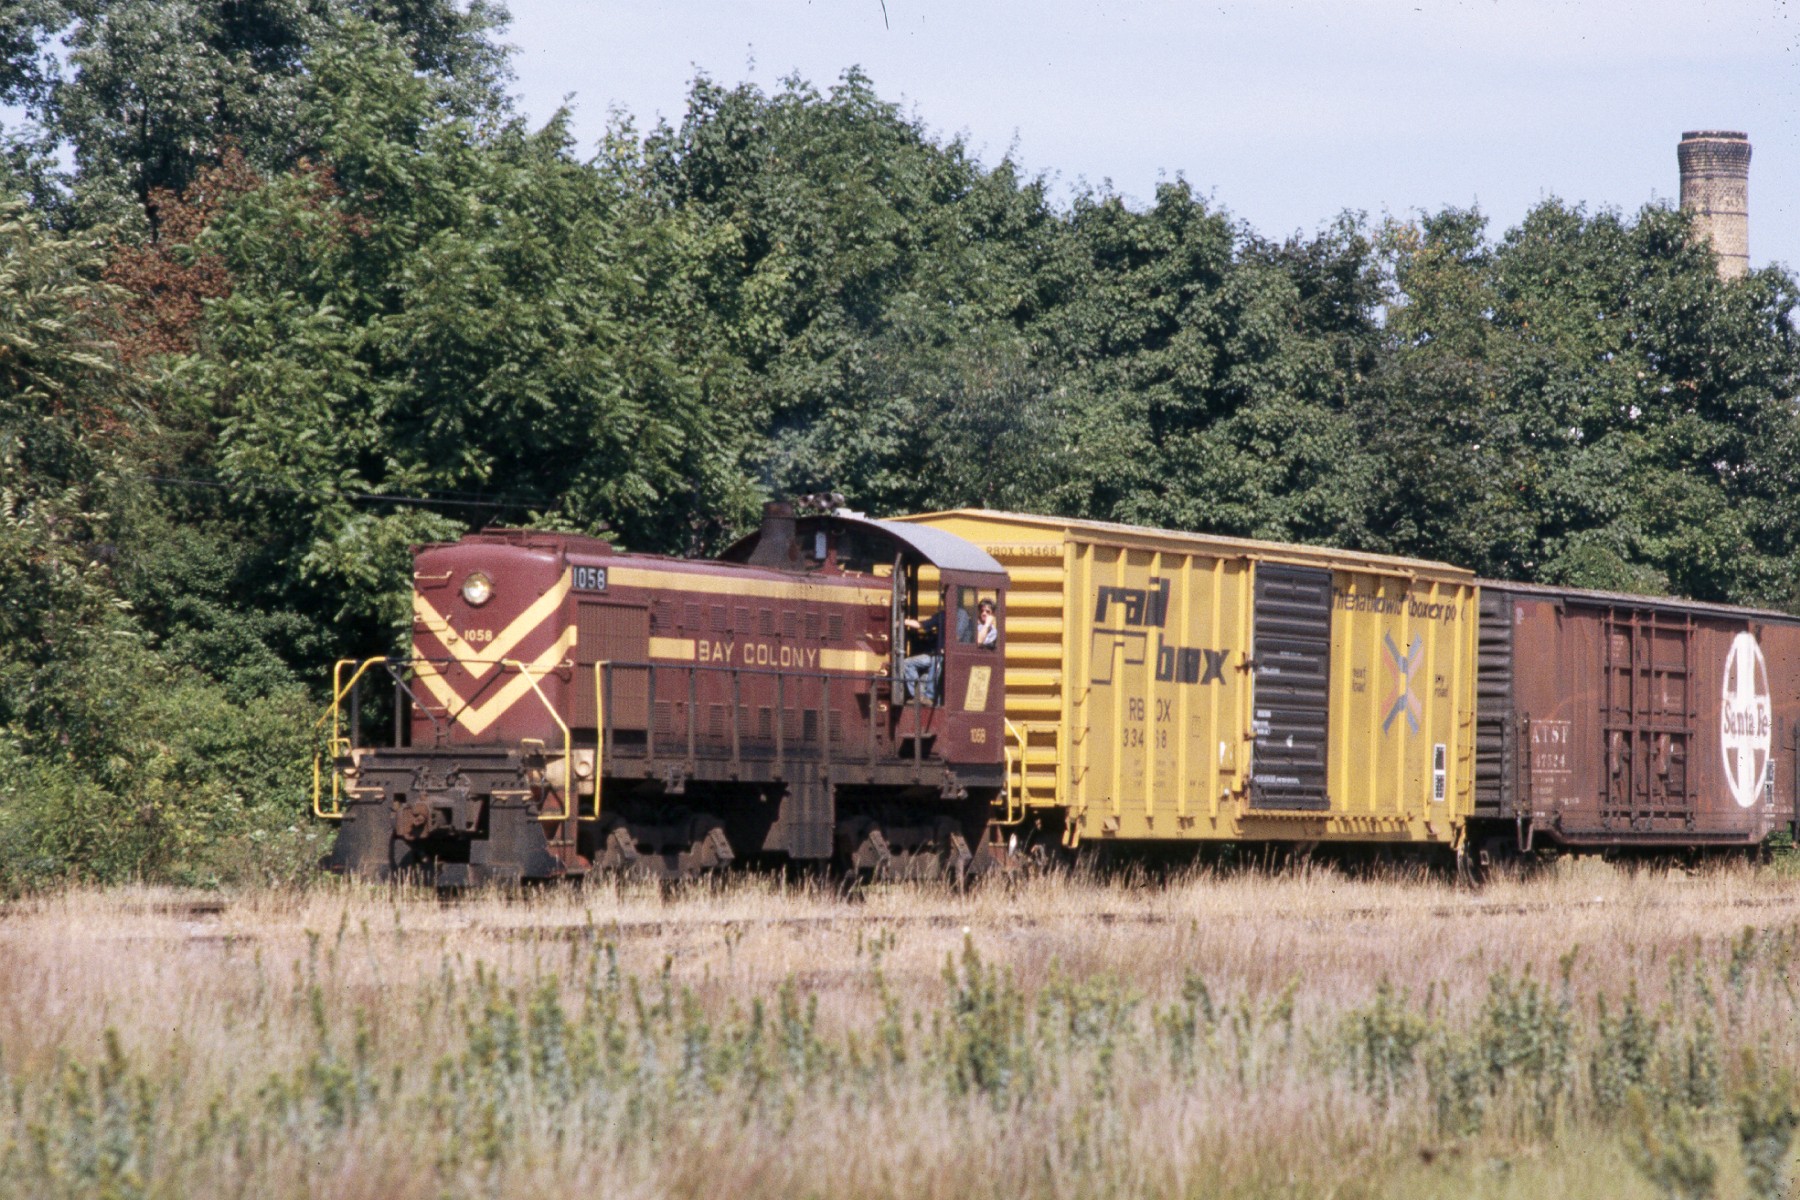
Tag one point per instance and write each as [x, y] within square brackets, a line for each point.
[1715, 187]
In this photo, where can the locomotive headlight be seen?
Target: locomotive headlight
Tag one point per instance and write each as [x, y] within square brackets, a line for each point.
[478, 589]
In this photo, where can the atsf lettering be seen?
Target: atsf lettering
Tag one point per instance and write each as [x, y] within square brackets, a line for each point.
[1550, 747]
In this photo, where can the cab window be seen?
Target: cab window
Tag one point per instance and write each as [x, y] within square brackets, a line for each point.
[969, 602]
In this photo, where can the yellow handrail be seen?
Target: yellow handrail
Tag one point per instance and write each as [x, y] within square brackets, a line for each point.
[1015, 817]
[599, 733]
[339, 690]
[569, 810]
[337, 744]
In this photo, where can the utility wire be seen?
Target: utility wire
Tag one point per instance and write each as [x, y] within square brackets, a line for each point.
[440, 500]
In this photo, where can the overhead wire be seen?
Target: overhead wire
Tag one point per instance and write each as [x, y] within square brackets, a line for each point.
[443, 499]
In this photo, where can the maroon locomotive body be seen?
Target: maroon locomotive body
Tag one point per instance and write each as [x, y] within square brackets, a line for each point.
[1629, 721]
[568, 707]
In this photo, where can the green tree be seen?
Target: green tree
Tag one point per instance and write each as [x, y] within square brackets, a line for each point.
[113, 758]
[26, 69]
[870, 283]
[1585, 402]
[1209, 372]
[144, 93]
[458, 313]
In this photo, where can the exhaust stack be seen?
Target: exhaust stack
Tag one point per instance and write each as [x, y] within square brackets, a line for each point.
[1715, 187]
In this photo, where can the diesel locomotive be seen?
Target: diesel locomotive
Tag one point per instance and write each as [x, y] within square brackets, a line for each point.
[569, 708]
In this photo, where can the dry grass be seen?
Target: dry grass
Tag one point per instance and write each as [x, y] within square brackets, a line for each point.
[1301, 1034]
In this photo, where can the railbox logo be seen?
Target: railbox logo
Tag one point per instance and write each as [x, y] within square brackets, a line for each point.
[1148, 608]
[1745, 720]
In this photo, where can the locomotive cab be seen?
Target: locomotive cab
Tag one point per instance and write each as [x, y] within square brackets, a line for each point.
[952, 707]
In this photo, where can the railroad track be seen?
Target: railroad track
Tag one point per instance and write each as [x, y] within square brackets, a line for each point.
[205, 913]
[658, 928]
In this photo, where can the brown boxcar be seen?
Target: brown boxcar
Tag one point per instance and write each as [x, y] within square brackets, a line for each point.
[1615, 721]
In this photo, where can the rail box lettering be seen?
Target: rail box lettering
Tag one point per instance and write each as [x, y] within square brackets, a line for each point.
[1142, 606]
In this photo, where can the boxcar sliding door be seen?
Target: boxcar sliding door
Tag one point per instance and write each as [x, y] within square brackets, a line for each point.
[1289, 704]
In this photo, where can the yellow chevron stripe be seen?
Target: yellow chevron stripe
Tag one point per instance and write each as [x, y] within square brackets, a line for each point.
[480, 662]
[476, 719]
[668, 647]
[851, 660]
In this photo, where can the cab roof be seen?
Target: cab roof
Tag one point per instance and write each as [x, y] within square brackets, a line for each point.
[921, 544]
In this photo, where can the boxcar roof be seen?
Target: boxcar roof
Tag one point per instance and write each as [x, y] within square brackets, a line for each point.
[1149, 538]
[1624, 599]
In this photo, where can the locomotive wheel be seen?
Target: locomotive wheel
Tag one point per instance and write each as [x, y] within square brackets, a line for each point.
[404, 860]
[677, 852]
[935, 849]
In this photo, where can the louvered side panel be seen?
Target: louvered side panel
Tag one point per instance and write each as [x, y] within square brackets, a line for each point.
[1034, 667]
[613, 633]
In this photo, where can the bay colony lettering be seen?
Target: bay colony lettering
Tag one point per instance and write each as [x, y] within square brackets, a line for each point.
[758, 654]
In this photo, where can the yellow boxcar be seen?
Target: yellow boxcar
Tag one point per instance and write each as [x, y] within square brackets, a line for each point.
[1185, 687]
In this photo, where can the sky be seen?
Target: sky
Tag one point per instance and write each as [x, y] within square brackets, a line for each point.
[1283, 113]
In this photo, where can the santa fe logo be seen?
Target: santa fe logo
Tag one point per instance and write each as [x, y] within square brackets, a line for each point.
[1745, 720]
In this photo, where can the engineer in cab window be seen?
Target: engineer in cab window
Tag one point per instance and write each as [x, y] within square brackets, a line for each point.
[987, 630]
